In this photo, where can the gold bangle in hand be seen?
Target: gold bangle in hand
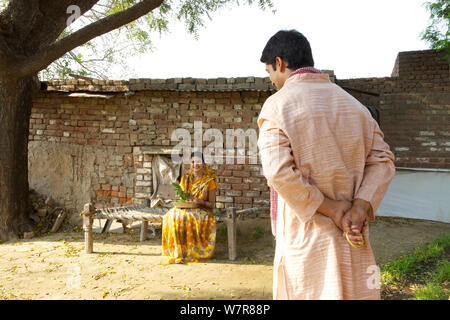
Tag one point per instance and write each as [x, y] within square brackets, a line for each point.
[352, 244]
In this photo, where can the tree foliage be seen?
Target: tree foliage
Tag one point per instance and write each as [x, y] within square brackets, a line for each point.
[97, 57]
[437, 32]
[67, 35]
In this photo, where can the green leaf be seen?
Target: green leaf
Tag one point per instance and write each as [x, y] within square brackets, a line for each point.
[112, 50]
[438, 31]
[179, 191]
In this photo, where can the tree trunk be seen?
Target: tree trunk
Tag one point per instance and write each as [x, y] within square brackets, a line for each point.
[28, 43]
[15, 111]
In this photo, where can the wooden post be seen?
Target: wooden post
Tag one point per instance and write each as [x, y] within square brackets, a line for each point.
[144, 227]
[144, 224]
[231, 228]
[88, 221]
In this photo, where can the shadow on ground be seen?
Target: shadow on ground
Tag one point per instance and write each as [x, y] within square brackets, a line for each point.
[56, 267]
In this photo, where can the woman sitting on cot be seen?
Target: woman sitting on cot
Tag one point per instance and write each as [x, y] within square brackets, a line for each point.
[189, 235]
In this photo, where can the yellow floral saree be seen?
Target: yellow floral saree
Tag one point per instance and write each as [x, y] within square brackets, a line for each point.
[189, 235]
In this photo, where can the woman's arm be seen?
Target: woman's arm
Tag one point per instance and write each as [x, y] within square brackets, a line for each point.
[211, 202]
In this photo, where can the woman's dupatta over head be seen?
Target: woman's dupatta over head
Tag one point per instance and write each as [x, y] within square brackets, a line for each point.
[198, 187]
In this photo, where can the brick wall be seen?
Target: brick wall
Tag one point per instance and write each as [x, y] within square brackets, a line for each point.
[134, 124]
[415, 107]
[130, 118]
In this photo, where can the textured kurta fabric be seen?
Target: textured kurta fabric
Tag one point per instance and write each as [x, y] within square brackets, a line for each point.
[316, 140]
[273, 210]
[189, 235]
[273, 193]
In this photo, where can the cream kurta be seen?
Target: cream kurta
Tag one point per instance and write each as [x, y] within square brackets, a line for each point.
[316, 140]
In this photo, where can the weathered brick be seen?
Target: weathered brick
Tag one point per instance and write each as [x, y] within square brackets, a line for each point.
[240, 187]
[241, 174]
[233, 193]
[224, 199]
[242, 200]
[251, 194]
[233, 180]
[106, 187]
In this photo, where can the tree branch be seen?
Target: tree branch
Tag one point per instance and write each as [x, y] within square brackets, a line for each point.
[84, 66]
[54, 51]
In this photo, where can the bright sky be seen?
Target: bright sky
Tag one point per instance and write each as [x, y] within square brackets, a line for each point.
[355, 38]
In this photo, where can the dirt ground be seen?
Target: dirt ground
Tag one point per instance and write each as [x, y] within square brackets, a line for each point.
[121, 267]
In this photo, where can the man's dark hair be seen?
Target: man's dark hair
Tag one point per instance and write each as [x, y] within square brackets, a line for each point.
[291, 46]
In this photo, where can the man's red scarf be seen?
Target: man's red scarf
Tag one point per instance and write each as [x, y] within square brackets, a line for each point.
[273, 193]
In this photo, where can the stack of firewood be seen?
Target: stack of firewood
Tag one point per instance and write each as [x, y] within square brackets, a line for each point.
[46, 214]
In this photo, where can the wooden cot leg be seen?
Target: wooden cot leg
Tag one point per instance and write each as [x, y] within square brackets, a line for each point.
[88, 221]
[231, 229]
[144, 228]
[107, 226]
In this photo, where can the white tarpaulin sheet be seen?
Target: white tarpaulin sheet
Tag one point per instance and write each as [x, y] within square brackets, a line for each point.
[165, 172]
[418, 194]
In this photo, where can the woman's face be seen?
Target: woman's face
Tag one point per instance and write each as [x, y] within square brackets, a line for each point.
[197, 165]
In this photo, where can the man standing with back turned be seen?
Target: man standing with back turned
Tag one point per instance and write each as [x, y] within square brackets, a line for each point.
[325, 157]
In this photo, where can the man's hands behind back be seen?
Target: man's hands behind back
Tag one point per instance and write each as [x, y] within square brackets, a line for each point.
[356, 220]
[349, 217]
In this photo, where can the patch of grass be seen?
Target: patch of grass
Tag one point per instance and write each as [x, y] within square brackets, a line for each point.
[396, 270]
[422, 275]
[258, 232]
[442, 273]
[250, 260]
[443, 241]
[429, 253]
[223, 230]
[411, 263]
[430, 291]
